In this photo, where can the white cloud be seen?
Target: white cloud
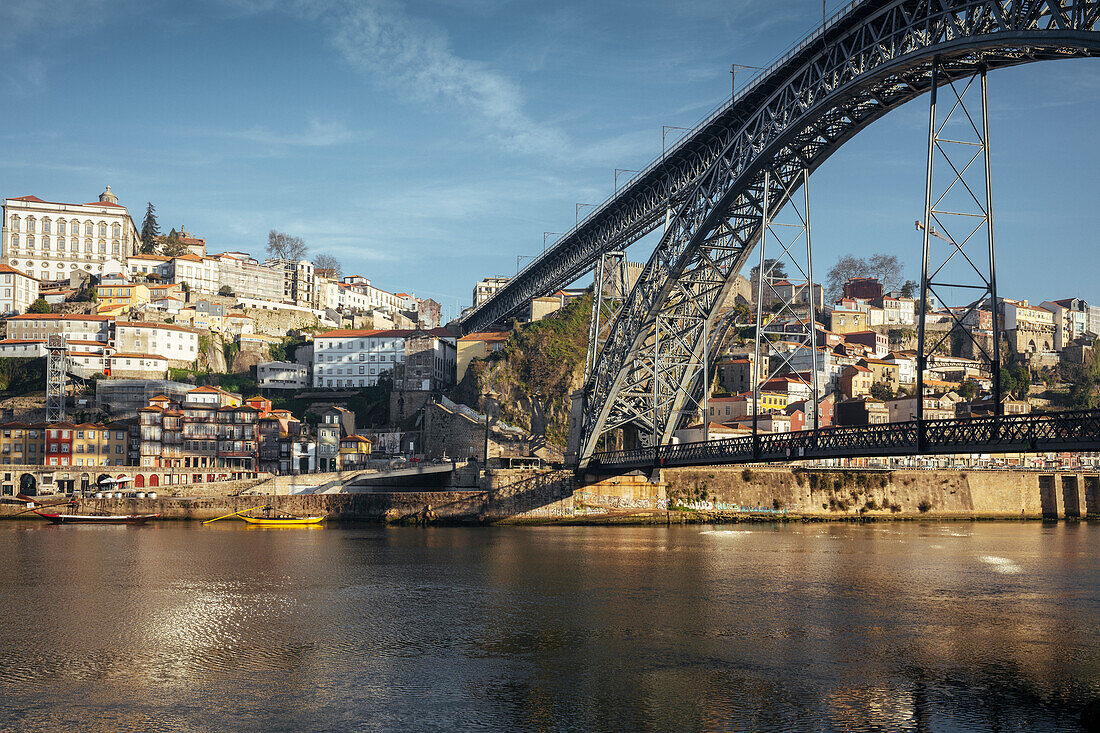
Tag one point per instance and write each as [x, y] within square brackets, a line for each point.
[318, 134]
[414, 57]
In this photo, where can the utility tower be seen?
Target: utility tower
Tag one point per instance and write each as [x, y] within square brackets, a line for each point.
[55, 379]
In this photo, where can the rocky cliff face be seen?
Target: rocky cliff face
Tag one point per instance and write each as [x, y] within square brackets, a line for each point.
[534, 374]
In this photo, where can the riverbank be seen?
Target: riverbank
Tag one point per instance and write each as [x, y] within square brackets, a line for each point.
[719, 495]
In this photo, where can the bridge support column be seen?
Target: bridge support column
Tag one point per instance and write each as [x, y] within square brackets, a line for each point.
[791, 297]
[957, 277]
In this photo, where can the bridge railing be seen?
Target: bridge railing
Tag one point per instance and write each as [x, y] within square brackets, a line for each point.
[1076, 430]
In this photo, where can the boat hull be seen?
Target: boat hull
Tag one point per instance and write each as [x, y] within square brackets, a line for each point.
[97, 519]
[260, 521]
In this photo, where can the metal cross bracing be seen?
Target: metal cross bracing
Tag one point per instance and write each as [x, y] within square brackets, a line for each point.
[870, 57]
[610, 284]
[878, 57]
[1037, 433]
[784, 294]
[56, 368]
[958, 220]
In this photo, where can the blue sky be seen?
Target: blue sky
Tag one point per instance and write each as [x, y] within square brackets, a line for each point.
[429, 143]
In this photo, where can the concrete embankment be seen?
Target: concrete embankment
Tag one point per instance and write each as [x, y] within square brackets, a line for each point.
[678, 495]
[839, 494]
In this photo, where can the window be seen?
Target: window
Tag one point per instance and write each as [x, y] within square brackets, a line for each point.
[30, 241]
[15, 241]
[116, 231]
[14, 223]
[102, 229]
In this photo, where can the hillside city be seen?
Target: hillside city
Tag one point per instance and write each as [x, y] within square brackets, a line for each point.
[177, 356]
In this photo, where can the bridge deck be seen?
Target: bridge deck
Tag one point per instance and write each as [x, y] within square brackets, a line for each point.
[1063, 431]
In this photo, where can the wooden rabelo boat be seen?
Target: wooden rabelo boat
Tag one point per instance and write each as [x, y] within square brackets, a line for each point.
[58, 518]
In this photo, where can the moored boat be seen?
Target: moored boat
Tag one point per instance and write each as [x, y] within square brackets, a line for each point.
[58, 518]
[282, 521]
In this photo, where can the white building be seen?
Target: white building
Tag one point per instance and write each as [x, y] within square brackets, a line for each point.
[899, 311]
[175, 343]
[487, 288]
[375, 297]
[202, 275]
[40, 326]
[299, 280]
[141, 266]
[48, 240]
[357, 358]
[352, 299]
[1071, 320]
[327, 293]
[247, 278]
[17, 290]
[12, 348]
[282, 375]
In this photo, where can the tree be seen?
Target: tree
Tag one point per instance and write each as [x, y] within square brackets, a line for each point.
[847, 267]
[882, 391]
[285, 247]
[327, 265]
[39, 306]
[226, 290]
[150, 230]
[887, 268]
[968, 390]
[173, 246]
[909, 288]
[776, 270]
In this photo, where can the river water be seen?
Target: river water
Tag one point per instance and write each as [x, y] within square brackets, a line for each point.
[817, 627]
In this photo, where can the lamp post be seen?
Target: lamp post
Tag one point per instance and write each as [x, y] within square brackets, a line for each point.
[490, 395]
[577, 223]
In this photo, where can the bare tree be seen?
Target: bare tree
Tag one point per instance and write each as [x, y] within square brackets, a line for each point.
[327, 265]
[887, 268]
[285, 247]
[844, 270]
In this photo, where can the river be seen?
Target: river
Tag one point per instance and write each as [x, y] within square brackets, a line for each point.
[804, 627]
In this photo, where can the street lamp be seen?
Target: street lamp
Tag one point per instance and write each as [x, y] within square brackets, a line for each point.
[490, 395]
[578, 213]
[547, 235]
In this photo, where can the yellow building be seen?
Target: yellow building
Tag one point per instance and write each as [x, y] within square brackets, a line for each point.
[478, 346]
[100, 445]
[115, 294]
[354, 451]
[22, 443]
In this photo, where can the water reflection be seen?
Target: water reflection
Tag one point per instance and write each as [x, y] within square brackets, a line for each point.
[923, 627]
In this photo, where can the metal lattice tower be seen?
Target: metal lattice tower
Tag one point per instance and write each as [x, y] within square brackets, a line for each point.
[959, 263]
[56, 365]
[611, 283]
[786, 293]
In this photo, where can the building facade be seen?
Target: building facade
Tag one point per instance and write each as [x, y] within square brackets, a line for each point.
[48, 240]
[17, 290]
[358, 358]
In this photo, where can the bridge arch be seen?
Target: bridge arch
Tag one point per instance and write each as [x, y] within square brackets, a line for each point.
[876, 58]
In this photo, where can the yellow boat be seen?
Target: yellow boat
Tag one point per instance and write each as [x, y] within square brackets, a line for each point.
[282, 521]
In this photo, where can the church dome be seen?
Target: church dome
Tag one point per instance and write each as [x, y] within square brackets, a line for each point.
[108, 197]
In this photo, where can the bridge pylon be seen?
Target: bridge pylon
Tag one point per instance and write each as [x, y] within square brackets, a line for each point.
[958, 265]
[786, 302]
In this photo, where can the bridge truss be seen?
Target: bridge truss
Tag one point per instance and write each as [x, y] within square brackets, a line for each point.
[885, 55]
[710, 190]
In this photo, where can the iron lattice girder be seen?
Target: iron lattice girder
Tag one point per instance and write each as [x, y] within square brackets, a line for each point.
[1063, 431]
[880, 60]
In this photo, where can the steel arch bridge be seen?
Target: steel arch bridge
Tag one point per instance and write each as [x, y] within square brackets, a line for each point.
[870, 58]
